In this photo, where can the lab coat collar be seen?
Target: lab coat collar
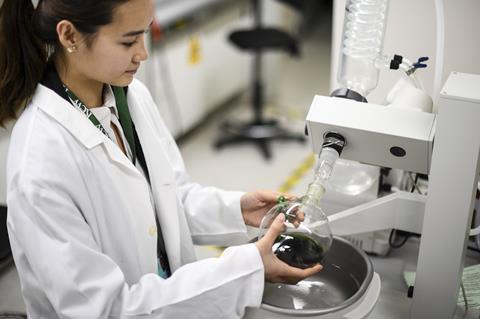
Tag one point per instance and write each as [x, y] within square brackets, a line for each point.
[70, 118]
[78, 124]
[52, 98]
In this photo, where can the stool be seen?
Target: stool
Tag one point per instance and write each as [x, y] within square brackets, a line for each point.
[259, 130]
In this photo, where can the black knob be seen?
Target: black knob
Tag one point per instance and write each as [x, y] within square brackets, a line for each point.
[398, 151]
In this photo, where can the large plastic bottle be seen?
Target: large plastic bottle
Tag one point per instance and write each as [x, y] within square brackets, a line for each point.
[362, 45]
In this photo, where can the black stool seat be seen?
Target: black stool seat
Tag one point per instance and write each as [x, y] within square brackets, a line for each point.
[264, 38]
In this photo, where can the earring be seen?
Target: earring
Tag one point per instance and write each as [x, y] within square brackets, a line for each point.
[72, 49]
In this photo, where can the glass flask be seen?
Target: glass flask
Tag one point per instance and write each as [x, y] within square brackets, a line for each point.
[307, 236]
[303, 244]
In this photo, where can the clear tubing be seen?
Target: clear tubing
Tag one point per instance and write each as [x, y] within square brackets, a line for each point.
[362, 43]
[440, 47]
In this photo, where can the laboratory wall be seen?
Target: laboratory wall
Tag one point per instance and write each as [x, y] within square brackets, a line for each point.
[411, 32]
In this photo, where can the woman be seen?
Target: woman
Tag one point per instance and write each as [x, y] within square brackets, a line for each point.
[102, 217]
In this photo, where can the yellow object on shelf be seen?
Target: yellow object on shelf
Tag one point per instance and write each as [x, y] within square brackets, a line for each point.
[194, 51]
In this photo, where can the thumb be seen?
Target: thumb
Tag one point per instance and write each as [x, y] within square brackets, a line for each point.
[276, 228]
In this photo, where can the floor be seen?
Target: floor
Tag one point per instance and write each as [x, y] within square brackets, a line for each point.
[243, 168]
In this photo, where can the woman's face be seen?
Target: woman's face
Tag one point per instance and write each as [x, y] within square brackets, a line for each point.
[119, 47]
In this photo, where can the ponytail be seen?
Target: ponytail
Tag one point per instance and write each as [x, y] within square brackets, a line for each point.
[25, 34]
[22, 57]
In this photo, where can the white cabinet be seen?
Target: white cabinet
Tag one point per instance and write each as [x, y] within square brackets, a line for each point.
[186, 92]
[197, 69]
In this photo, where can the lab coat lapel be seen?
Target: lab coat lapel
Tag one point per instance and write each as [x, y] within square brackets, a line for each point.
[161, 178]
[79, 126]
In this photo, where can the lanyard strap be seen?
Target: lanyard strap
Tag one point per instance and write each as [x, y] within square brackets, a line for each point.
[123, 114]
[125, 118]
[77, 103]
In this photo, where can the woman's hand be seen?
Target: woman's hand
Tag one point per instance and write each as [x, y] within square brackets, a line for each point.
[256, 204]
[277, 271]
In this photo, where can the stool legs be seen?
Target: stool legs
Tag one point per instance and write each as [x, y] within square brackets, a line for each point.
[259, 131]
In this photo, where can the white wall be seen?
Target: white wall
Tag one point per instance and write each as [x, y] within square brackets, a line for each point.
[411, 28]
[277, 15]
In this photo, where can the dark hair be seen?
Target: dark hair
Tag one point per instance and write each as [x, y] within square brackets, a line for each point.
[27, 33]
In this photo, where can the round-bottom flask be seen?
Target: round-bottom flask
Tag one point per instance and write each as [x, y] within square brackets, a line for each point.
[307, 236]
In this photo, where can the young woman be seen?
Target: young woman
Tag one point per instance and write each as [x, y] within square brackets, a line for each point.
[102, 216]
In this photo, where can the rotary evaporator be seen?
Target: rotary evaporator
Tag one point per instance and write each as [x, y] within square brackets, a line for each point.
[397, 134]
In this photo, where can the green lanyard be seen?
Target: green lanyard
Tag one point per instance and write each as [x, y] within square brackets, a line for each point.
[123, 115]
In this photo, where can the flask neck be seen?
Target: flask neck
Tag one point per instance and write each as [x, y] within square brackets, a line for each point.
[326, 161]
[314, 194]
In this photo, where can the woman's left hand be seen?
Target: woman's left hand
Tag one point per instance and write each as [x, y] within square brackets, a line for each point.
[256, 204]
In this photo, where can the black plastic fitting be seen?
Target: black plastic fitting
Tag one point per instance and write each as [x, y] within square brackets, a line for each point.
[335, 141]
[348, 94]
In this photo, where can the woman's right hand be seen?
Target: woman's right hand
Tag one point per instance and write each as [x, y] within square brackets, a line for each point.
[277, 271]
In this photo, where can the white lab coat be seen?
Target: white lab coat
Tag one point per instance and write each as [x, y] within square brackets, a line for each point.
[82, 225]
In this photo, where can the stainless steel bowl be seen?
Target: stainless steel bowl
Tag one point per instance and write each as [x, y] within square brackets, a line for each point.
[346, 275]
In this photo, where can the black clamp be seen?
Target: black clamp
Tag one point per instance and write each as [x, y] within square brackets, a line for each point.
[345, 93]
[396, 61]
[335, 141]
[419, 64]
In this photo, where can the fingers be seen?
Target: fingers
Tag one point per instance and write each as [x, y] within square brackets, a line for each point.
[297, 218]
[300, 216]
[303, 273]
[288, 197]
[311, 271]
[293, 275]
[275, 229]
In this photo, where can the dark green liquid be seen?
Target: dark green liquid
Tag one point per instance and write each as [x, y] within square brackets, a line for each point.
[299, 250]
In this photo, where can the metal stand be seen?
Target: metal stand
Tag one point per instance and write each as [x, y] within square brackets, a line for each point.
[448, 213]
